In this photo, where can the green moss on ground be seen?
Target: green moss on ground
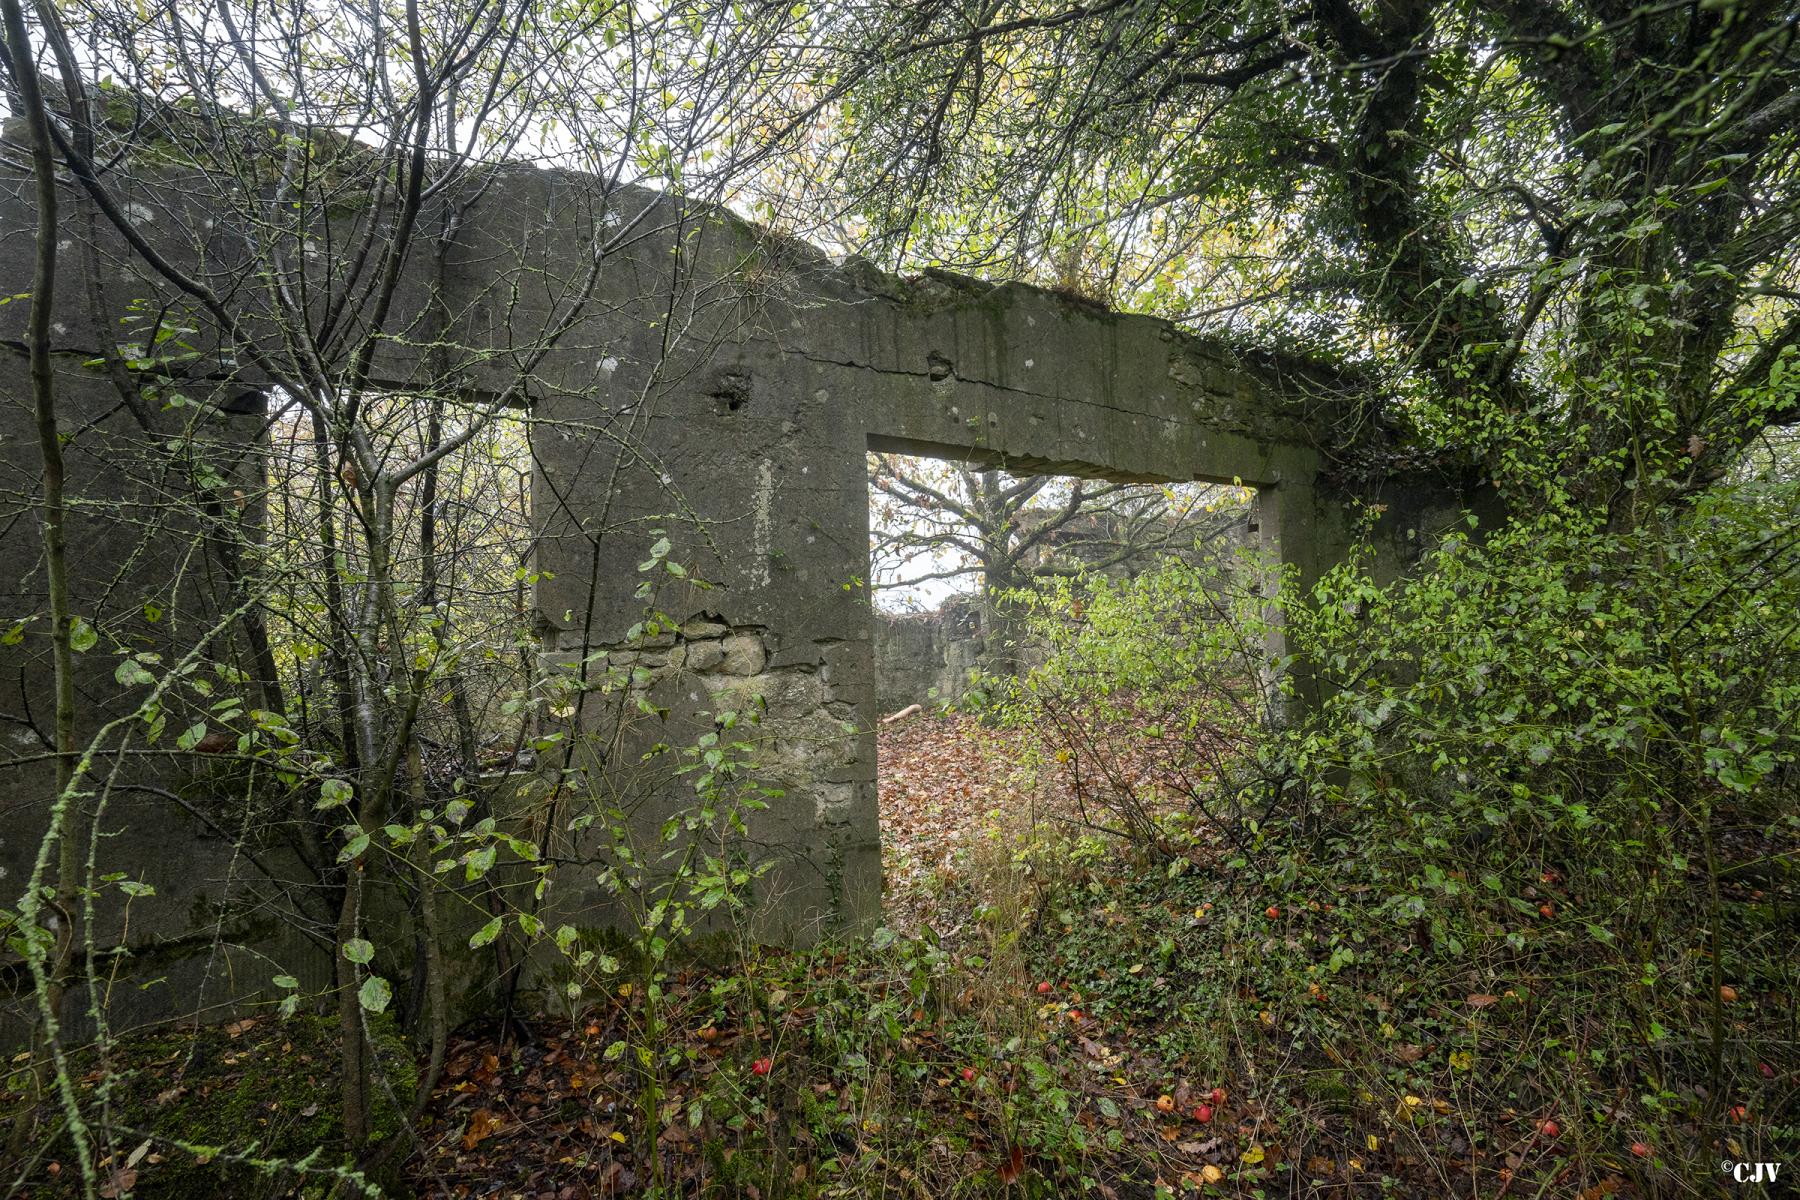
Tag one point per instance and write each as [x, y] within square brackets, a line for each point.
[264, 1090]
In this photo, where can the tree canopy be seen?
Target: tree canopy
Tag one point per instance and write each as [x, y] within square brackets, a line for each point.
[1512, 212]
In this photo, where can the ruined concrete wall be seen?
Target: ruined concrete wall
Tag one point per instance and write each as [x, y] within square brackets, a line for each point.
[719, 391]
[926, 658]
[199, 907]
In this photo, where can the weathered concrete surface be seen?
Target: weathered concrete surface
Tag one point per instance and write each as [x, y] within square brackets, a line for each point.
[720, 388]
[228, 902]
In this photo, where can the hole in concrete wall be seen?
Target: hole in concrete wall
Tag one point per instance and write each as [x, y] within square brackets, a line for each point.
[729, 389]
[953, 548]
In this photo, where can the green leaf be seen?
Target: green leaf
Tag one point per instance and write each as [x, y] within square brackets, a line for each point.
[190, 737]
[479, 862]
[286, 981]
[82, 637]
[486, 934]
[375, 994]
[359, 950]
[333, 792]
[131, 673]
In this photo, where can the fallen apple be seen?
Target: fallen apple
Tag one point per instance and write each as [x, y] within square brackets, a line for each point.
[761, 1066]
[1271, 912]
[1203, 1114]
[1549, 1129]
[1641, 1149]
[1165, 1103]
[968, 1074]
[1045, 988]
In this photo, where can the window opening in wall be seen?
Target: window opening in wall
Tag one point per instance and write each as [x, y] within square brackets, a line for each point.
[436, 583]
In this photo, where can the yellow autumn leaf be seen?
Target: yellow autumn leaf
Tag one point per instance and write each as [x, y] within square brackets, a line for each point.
[1374, 1143]
[1461, 1059]
[1252, 1156]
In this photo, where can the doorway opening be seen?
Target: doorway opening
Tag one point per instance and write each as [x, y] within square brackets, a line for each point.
[979, 579]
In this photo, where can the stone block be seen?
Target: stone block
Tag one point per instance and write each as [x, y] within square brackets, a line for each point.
[744, 654]
[697, 656]
[833, 803]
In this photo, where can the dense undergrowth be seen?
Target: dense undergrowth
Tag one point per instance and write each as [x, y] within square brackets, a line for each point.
[1508, 911]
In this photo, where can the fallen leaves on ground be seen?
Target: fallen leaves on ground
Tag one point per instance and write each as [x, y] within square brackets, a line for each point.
[943, 781]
